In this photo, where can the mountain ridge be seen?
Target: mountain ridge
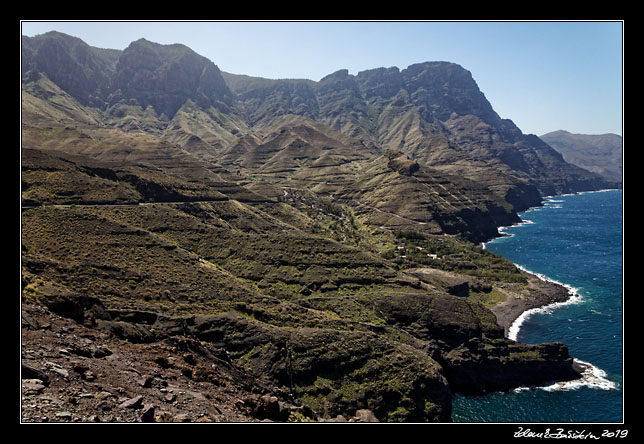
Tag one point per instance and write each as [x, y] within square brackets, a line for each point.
[599, 153]
[438, 92]
[433, 112]
[321, 235]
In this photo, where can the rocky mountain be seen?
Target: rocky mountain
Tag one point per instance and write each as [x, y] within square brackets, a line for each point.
[601, 154]
[144, 74]
[314, 243]
[435, 113]
[77, 68]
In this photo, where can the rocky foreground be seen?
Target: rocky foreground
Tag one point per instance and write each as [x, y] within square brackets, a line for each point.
[71, 373]
[92, 365]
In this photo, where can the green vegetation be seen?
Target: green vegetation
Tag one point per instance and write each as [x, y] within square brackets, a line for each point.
[272, 226]
[414, 249]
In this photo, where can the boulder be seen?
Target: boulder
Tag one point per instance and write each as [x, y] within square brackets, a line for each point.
[32, 386]
[147, 414]
[132, 403]
[364, 415]
[29, 372]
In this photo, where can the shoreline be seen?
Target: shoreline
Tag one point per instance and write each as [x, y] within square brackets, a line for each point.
[548, 296]
[551, 295]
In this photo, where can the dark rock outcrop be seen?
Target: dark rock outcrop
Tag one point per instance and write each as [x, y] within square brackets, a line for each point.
[165, 76]
[403, 165]
[476, 368]
[470, 346]
[83, 71]
[144, 74]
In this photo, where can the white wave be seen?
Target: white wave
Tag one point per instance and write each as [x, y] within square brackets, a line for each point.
[574, 298]
[581, 192]
[599, 191]
[560, 195]
[518, 224]
[513, 331]
[503, 230]
[591, 377]
[574, 291]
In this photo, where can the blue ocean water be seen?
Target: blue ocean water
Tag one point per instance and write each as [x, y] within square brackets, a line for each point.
[575, 240]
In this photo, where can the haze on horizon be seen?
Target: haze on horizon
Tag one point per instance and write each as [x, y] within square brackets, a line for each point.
[544, 76]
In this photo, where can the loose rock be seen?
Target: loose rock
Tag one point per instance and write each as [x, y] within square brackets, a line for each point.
[32, 386]
[147, 415]
[29, 372]
[364, 415]
[132, 403]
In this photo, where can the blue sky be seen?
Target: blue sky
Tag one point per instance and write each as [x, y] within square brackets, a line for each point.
[544, 76]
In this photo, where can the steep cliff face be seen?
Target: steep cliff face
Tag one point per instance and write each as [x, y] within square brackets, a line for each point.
[440, 89]
[79, 69]
[165, 76]
[144, 74]
[435, 113]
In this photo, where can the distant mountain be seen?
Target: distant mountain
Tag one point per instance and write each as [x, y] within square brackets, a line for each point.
[601, 154]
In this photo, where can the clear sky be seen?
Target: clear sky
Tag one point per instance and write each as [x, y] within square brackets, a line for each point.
[544, 76]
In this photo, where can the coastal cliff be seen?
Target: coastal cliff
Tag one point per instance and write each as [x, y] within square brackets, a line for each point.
[276, 250]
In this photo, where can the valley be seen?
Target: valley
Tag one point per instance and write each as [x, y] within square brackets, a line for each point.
[314, 246]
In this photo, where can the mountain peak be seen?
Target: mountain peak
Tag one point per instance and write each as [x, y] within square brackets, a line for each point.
[165, 76]
[340, 74]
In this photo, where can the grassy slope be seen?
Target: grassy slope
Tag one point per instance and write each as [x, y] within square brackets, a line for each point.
[301, 289]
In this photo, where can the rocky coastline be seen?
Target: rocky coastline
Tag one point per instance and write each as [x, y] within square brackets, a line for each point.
[548, 292]
[509, 311]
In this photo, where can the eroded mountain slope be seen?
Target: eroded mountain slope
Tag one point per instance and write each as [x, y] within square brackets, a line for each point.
[319, 233]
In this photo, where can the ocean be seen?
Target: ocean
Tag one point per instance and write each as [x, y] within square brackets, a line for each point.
[575, 240]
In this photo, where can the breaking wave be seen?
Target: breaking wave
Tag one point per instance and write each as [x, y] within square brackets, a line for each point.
[591, 376]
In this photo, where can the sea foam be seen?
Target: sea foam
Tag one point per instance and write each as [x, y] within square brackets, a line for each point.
[575, 298]
[591, 377]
